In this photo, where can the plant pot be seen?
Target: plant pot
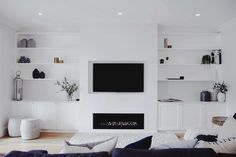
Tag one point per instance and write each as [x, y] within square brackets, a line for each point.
[221, 97]
[69, 97]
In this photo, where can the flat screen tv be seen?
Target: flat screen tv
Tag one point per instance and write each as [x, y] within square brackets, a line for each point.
[118, 77]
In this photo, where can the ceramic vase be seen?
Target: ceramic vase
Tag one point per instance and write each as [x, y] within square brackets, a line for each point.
[221, 97]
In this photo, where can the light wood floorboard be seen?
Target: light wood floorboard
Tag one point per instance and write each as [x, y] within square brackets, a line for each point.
[53, 142]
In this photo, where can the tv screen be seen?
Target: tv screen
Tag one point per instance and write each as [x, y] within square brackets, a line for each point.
[118, 77]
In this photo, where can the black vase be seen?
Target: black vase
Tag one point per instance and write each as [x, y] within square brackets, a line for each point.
[35, 74]
[42, 75]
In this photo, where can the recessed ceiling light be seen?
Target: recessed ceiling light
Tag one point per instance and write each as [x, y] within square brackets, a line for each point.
[119, 13]
[40, 13]
[197, 15]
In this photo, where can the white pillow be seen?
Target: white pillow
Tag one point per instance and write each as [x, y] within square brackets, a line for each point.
[228, 129]
[227, 145]
[179, 144]
[100, 146]
[191, 134]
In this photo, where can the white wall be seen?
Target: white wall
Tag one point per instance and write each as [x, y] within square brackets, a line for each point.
[6, 74]
[119, 43]
[229, 56]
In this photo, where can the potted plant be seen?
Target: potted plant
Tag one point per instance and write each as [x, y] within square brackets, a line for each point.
[68, 87]
[221, 88]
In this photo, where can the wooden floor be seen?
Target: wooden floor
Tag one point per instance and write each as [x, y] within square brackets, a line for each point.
[53, 142]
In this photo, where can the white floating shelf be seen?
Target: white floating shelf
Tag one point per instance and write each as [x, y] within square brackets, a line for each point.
[44, 101]
[186, 49]
[190, 34]
[75, 33]
[47, 79]
[196, 102]
[200, 65]
[186, 80]
[37, 48]
[56, 64]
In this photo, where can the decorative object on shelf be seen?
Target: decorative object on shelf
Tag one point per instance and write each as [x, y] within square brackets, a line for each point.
[176, 78]
[56, 59]
[18, 87]
[214, 95]
[222, 88]
[162, 61]
[31, 43]
[22, 43]
[170, 100]
[24, 59]
[169, 46]
[205, 96]
[212, 58]
[61, 61]
[165, 43]
[220, 56]
[206, 59]
[42, 75]
[35, 74]
[68, 87]
[219, 120]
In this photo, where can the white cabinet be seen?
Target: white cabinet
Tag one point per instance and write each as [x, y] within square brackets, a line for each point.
[169, 114]
[192, 116]
[183, 115]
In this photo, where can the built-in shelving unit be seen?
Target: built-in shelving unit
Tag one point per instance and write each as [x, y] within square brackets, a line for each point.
[48, 45]
[184, 59]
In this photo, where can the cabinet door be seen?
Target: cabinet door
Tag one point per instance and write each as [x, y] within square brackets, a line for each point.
[193, 115]
[169, 116]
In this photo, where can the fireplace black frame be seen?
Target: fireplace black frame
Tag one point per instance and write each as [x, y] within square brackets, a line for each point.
[118, 121]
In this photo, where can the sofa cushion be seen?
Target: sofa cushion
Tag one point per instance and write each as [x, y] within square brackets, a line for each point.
[98, 146]
[100, 154]
[144, 143]
[228, 129]
[178, 144]
[124, 138]
[163, 153]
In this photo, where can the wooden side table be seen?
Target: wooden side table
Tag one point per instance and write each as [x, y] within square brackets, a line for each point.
[219, 120]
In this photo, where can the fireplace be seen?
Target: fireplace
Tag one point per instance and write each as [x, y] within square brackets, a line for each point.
[118, 121]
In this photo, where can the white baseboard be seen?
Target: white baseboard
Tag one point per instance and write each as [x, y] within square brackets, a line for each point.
[58, 131]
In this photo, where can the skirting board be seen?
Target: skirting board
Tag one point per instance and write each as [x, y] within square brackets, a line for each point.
[58, 131]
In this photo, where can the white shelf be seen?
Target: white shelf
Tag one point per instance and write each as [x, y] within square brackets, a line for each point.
[200, 65]
[37, 48]
[46, 79]
[75, 33]
[186, 80]
[190, 34]
[196, 102]
[43, 101]
[187, 49]
[56, 64]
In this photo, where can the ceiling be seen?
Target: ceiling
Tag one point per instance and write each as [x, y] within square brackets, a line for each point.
[71, 13]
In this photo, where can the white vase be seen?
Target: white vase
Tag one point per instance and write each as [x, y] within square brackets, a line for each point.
[221, 97]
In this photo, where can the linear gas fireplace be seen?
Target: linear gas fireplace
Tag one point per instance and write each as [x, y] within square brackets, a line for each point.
[118, 121]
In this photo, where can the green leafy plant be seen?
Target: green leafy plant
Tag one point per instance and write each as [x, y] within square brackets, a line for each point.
[220, 87]
[68, 87]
